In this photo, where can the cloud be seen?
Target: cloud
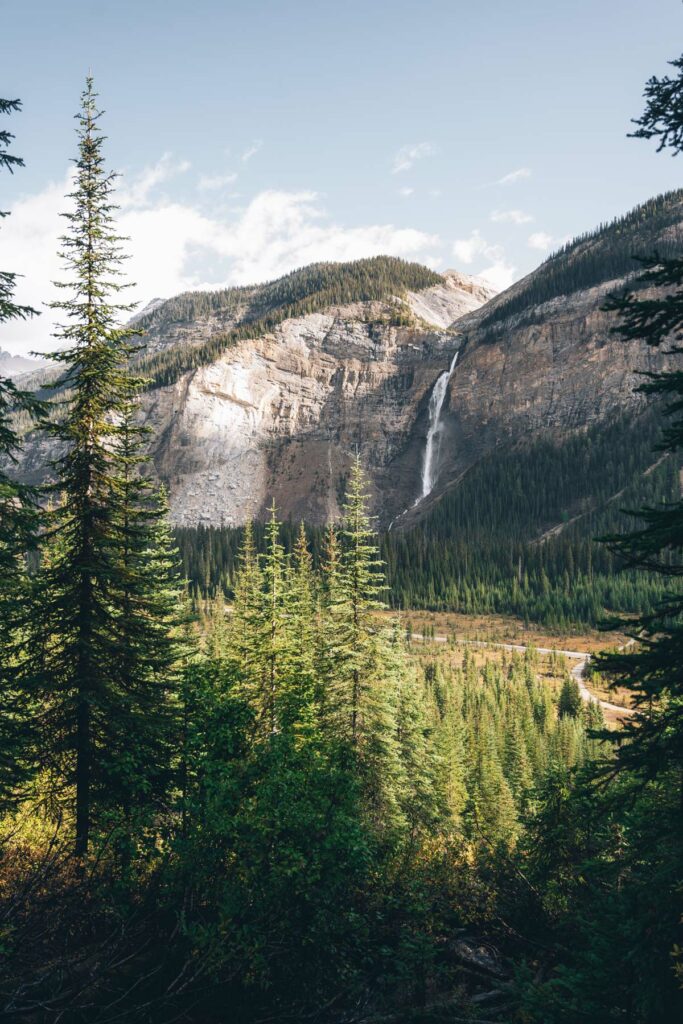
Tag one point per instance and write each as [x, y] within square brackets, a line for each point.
[211, 182]
[406, 191]
[408, 155]
[510, 217]
[499, 273]
[540, 240]
[467, 249]
[136, 190]
[252, 150]
[176, 246]
[513, 176]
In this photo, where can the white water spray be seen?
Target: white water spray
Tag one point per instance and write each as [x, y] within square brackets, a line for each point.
[431, 456]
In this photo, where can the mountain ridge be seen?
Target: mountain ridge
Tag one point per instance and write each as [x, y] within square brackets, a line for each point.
[265, 391]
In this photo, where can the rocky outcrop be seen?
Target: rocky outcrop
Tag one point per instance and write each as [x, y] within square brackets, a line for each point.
[280, 416]
[544, 375]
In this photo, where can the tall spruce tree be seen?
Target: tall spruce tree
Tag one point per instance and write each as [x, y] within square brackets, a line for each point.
[107, 588]
[298, 698]
[146, 595]
[18, 526]
[363, 586]
[247, 628]
[362, 691]
[653, 669]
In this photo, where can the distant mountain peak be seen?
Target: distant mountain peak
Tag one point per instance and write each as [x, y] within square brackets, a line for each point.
[146, 310]
[13, 366]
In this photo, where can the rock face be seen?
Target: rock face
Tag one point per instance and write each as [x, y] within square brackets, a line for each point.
[278, 417]
[541, 376]
[279, 414]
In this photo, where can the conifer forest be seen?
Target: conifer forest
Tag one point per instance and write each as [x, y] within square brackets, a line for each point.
[254, 773]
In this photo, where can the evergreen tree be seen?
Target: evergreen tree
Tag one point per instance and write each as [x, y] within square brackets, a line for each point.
[106, 592]
[570, 698]
[246, 627]
[363, 583]
[361, 696]
[653, 669]
[302, 630]
[274, 637]
[146, 595]
[18, 527]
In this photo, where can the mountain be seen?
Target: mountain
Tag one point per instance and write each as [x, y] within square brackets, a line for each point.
[264, 392]
[542, 360]
[14, 366]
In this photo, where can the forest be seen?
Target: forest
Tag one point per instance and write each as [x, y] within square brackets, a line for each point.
[605, 254]
[260, 309]
[487, 545]
[290, 809]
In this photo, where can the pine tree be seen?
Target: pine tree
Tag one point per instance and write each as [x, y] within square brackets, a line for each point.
[653, 670]
[362, 686]
[19, 522]
[273, 574]
[570, 698]
[146, 593]
[246, 630]
[300, 650]
[106, 621]
[363, 583]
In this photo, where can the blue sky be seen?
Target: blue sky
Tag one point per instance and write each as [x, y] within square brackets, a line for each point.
[256, 137]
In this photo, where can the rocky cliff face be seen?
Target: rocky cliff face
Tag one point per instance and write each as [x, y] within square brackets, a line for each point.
[544, 375]
[287, 385]
[278, 417]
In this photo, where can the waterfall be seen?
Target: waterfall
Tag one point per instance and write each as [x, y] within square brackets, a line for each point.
[431, 455]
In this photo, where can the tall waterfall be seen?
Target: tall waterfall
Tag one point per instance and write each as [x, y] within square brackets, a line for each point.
[431, 455]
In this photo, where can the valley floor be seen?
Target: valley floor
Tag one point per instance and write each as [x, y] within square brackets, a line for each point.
[496, 637]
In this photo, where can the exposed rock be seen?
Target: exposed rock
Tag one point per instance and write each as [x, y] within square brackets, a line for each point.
[280, 416]
[445, 303]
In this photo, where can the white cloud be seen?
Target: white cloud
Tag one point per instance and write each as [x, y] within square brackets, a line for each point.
[510, 217]
[406, 191]
[252, 150]
[175, 246]
[499, 273]
[209, 182]
[135, 191]
[408, 155]
[513, 176]
[467, 249]
[540, 240]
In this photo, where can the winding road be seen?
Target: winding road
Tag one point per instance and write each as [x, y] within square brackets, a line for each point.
[580, 657]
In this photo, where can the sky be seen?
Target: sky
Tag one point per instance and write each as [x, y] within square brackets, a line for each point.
[255, 137]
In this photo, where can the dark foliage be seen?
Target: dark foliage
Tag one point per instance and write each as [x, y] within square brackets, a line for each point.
[605, 254]
[254, 311]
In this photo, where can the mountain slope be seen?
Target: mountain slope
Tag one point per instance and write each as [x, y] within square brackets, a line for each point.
[535, 368]
[278, 413]
[14, 366]
[265, 391]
